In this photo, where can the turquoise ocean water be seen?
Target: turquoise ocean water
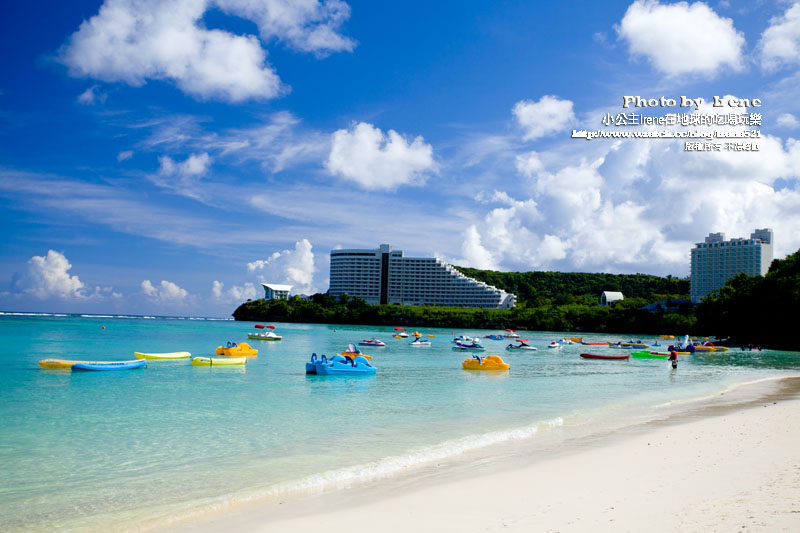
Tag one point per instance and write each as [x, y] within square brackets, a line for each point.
[100, 451]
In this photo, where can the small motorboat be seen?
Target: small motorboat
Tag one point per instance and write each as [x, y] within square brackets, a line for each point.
[401, 333]
[372, 342]
[339, 366]
[474, 345]
[511, 334]
[353, 351]
[265, 335]
[608, 357]
[522, 344]
[218, 361]
[419, 342]
[237, 350]
[490, 362]
[109, 365]
[554, 344]
[170, 355]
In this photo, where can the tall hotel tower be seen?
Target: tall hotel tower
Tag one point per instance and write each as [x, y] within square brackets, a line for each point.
[717, 260]
[384, 276]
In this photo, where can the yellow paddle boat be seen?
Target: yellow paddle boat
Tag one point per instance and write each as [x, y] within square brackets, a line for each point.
[218, 361]
[490, 362]
[234, 350]
[352, 352]
[171, 355]
[58, 363]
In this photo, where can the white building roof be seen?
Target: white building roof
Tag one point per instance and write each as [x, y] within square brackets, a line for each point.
[276, 287]
[612, 296]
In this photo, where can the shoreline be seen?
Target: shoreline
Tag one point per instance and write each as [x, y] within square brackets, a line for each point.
[696, 464]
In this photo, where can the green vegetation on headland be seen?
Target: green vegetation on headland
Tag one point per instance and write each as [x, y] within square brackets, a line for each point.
[546, 301]
[747, 310]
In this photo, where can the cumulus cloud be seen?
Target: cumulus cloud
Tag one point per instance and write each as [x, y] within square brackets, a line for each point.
[637, 206]
[780, 42]
[91, 96]
[133, 41]
[235, 294]
[549, 115]
[165, 292]
[48, 277]
[681, 38]
[291, 267]
[364, 155]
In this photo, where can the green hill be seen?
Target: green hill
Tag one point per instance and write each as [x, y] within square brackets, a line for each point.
[537, 288]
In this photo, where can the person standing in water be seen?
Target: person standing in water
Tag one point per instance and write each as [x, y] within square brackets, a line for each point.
[673, 356]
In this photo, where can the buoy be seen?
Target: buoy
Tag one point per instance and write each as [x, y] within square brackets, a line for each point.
[104, 327]
[334, 331]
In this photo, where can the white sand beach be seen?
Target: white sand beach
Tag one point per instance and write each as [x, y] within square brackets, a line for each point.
[713, 468]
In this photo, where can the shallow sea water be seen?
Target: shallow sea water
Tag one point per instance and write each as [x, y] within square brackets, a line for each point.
[99, 451]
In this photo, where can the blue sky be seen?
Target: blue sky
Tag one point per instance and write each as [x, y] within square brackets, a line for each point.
[166, 157]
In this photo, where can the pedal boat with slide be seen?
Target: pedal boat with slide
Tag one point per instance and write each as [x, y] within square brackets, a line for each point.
[490, 362]
[339, 366]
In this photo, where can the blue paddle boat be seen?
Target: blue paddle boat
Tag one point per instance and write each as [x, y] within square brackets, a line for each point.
[339, 366]
[110, 365]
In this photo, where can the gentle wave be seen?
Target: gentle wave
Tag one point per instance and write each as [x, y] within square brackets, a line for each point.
[381, 468]
[729, 389]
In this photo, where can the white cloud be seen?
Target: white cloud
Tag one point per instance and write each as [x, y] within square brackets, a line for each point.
[91, 96]
[549, 115]
[364, 155]
[787, 120]
[49, 277]
[682, 38]
[135, 41]
[124, 155]
[308, 25]
[166, 292]
[529, 164]
[235, 294]
[292, 267]
[780, 42]
[475, 255]
[637, 207]
[185, 176]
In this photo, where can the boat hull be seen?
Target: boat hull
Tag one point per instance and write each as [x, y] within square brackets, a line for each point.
[218, 361]
[605, 357]
[171, 355]
[110, 365]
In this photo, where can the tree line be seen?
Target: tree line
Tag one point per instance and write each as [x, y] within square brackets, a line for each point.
[747, 310]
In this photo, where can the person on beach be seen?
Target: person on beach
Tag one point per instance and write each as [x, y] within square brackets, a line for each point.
[673, 356]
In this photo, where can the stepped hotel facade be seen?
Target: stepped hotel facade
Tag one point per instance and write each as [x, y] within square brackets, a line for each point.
[384, 276]
[716, 260]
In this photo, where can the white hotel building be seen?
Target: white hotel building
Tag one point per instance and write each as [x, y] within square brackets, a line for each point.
[384, 276]
[717, 260]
